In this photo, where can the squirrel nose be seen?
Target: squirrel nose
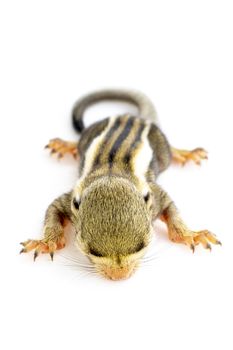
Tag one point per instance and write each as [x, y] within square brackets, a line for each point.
[118, 273]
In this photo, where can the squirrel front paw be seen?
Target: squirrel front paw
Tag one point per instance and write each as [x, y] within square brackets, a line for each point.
[45, 245]
[193, 238]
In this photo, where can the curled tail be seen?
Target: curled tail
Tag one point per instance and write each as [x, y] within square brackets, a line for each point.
[146, 109]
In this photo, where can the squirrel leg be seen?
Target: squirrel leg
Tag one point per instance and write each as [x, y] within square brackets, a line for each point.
[61, 147]
[183, 156]
[178, 231]
[55, 219]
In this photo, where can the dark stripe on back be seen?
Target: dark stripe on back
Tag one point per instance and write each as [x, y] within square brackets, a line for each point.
[109, 134]
[134, 144]
[120, 139]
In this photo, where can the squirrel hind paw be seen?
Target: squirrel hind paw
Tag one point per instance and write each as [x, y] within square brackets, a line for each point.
[61, 148]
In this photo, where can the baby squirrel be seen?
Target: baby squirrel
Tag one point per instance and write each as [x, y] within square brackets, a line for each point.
[116, 198]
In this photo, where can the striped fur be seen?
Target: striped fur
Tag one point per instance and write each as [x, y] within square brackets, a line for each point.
[146, 109]
[121, 147]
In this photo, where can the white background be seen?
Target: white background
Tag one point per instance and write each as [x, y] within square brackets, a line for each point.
[180, 54]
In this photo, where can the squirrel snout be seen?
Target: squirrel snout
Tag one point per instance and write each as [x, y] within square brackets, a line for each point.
[118, 273]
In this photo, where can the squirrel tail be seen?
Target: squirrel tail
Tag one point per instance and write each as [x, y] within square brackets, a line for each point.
[146, 109]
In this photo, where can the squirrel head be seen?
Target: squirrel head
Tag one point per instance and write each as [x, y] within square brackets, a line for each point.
[113, 224]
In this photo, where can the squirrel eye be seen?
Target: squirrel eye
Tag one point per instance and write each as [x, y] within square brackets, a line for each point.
[146, 197]
[140, 247]
[76, 203]
[95, 253]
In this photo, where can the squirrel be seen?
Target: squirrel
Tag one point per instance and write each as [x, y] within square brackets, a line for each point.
[116, 197]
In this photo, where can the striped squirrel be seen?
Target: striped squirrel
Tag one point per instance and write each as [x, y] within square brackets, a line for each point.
[116, 197]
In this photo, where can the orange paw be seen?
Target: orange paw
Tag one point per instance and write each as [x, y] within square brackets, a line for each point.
[43, 246]
[182, 156]
[61, 147]
[192, 238]
[205, 237]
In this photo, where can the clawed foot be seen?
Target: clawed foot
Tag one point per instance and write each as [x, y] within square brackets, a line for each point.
[43, 246]
[61, 147]
[192, 239]
[183, 156]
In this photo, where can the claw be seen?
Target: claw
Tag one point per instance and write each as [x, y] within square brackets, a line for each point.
[35, 255]
[22, 251]
[218, 242]
[24, 243]
[192, 247]
[208, 246]
[51, 255]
